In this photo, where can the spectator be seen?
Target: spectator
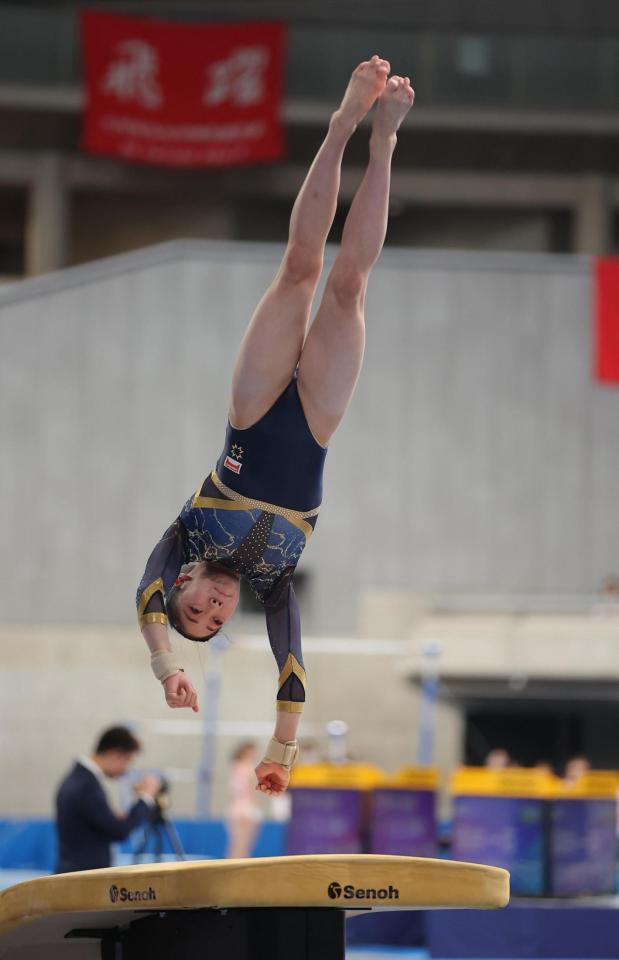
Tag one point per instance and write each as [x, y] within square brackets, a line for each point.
[575, 768]
[498, 759]
[243, 815]
[85, 822]
[544, 767]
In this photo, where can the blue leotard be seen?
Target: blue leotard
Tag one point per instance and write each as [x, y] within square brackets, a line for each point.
[254, 515]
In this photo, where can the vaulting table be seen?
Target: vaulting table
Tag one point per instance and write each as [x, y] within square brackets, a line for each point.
[281, 908]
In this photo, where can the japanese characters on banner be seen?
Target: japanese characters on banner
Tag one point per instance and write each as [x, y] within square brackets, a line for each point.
[183, 95]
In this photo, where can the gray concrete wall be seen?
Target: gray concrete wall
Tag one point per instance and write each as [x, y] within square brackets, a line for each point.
[477, 458]
[477, 455]
[61, 686]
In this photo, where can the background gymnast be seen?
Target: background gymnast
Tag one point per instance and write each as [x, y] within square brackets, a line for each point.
[253, 515]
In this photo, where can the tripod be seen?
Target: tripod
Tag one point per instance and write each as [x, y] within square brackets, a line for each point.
[159, 827]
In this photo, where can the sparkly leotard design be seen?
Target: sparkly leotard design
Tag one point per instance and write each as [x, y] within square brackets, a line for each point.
[231, 520]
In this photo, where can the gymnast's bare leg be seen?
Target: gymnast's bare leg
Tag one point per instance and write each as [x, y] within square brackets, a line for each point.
[273, 342]
[332, 355]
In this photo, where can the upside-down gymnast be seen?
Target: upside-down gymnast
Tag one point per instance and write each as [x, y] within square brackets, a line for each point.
[254, 514]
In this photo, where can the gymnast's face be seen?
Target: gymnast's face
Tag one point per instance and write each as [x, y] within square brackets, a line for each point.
[208, 597]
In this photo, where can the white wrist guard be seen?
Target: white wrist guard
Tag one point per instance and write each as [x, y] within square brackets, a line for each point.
[285, 754]
[164, 664]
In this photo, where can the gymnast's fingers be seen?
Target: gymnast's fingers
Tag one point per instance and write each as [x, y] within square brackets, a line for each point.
[183, 699]
[270, 786]
[187, 686]
[175, 700]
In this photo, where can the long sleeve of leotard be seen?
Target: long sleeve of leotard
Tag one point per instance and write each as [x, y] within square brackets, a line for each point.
[284, 629]
[162, 569]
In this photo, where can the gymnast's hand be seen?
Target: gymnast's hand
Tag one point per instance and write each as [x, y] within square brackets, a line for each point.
[272, 778]
[180, 692]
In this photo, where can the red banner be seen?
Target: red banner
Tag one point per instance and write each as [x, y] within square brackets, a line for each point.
[607, 319]
[182, 95]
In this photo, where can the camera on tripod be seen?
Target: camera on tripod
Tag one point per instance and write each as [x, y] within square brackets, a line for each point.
[162, 797]
[159, 828]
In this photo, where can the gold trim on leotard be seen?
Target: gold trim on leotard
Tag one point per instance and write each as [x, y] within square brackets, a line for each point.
[290, 706]
[237, 501]
[155, 587]
[155, 617]
[262, 504]
[291, 666]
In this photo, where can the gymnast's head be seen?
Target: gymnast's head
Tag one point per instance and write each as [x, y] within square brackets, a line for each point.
[203, 598]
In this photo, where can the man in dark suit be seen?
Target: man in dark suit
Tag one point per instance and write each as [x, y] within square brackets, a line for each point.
[85, 822]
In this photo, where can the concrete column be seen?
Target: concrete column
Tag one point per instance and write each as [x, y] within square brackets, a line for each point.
[48, 215]
[17, 167]
[592, 232]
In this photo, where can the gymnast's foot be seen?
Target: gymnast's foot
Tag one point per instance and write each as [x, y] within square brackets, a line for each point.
[366, 84]
[393, 105]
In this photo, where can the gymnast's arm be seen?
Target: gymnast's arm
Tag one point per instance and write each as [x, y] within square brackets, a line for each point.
[162, 568]
[284, 629]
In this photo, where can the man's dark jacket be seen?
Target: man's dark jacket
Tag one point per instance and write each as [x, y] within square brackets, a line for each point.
[87, 825]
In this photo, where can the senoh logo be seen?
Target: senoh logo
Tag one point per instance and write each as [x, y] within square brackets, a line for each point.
[123, 895]
[336, 891]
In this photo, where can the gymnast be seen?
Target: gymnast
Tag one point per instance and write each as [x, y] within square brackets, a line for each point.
[254, 514]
